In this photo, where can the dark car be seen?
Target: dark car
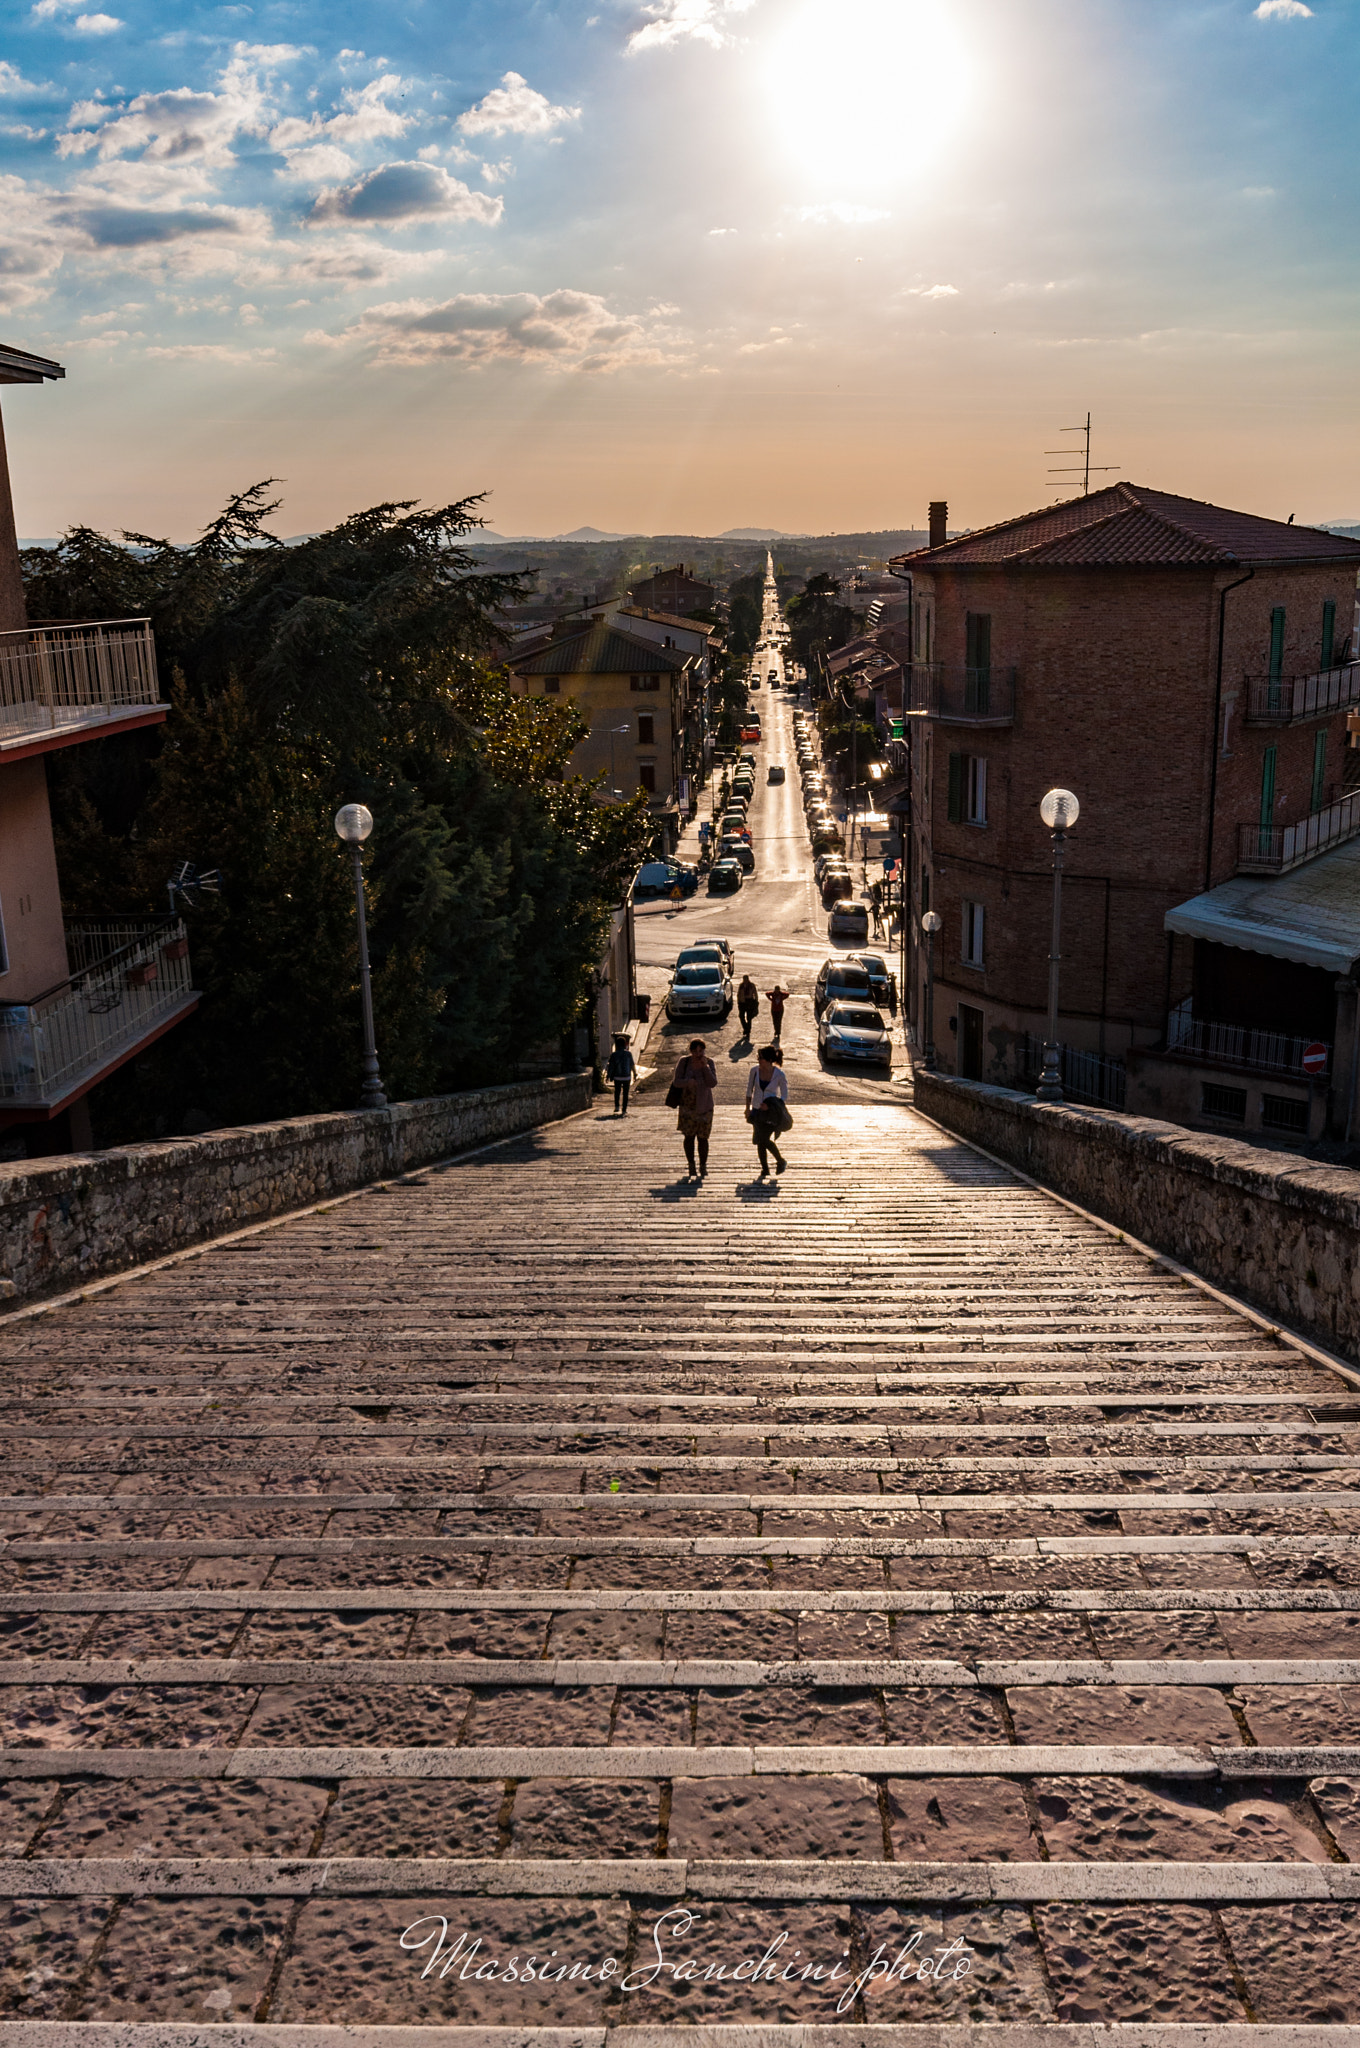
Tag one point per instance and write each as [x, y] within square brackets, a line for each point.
[660, 877]
[841, 981]
[776, 773]
[725, 878]
[882, 980]
[742, 852]
[837, 887]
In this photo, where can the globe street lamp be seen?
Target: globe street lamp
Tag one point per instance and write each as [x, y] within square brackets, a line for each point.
[1059, 811]
[930, 924]
[613, 731]
[353, 823]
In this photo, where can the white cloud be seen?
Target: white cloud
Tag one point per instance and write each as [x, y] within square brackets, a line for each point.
[839, 210]
[1283, 10]
[563, 330]
[937, 291]
[680, 21]
[339, 263]
[209, 351]
[722, 231]
[402, 195]
[313, 148]
[1258, 191]
[514, 108]
[84, 24]
[13, 84]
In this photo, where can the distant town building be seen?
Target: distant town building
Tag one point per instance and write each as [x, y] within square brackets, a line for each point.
[1187, 671]
[674, 590]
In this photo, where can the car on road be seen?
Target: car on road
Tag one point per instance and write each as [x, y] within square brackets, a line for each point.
[882, 980]
[725, 877]
[702, 989]
[838, 887]
[750, 731]
[841, 981]
[705, 953]
[741, 851]
[723, 945]
[661, 877]
[848, 920]
[776, 773]
[855, 1031]
[825, 861]
[732, 821]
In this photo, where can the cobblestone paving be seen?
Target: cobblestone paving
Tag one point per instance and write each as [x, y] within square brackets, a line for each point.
[878, 1596]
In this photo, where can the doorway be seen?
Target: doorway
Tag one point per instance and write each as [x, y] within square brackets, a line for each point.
[970, 1043]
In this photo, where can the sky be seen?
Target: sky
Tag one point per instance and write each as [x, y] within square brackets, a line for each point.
[669, 266]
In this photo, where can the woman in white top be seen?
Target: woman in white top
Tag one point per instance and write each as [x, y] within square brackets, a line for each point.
[766, 1089]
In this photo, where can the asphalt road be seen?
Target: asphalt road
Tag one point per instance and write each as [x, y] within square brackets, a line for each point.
[775, 924]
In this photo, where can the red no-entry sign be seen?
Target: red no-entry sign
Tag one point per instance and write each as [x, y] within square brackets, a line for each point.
[1314, 1059]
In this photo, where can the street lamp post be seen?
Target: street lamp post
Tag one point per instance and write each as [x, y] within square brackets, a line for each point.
[353, 823]
[930, 924]
[614, 731]
[1059, 811]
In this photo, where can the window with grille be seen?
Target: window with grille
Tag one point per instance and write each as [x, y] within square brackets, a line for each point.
[1283, 1113]
[974, 925]
[1228, 1105]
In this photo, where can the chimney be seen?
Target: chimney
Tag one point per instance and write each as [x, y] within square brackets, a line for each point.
[939, 516]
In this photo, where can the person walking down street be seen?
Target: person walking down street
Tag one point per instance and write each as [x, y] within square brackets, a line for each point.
[620, 1070]
[767, 1094]
[748, 1003]
[775, 997]
[876, 898]
[695, 1079]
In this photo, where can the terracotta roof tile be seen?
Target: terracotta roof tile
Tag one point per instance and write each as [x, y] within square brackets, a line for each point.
[599, 649]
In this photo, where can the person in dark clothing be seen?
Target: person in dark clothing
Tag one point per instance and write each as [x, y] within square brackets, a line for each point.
[620, 1070]
[748, 1004]
[696, 1077]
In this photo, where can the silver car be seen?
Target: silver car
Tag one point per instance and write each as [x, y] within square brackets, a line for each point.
[701, 989]
[852, 1031]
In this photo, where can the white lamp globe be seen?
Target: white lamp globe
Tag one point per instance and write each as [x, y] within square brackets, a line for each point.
[1059, 810]
[353, 823]
[932, 921]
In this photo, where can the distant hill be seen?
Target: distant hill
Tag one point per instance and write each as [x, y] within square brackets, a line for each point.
[589, 533]
[756, 533]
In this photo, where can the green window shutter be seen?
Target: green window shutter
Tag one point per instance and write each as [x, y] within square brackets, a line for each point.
[1268, 789]
[1328, 632]
[977, 640]
[1319, 768]
[956, 763]
[1276, 642]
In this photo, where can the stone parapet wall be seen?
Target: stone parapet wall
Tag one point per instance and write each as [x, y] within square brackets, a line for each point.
[70, 1220]
[1272, 1227]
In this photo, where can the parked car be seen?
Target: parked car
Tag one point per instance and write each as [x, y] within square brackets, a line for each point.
[841, 981]
[703, 989]
[848, 920]
[748, 761]
[703, 953]
[732, 821]
[854, 1031]
[825, 861]
[741, 851]
[750, 731]
[882, 980]
[838, 887]
[736, 835]
[776, 773]
[723, 945]
[660, 877]
[725, 877]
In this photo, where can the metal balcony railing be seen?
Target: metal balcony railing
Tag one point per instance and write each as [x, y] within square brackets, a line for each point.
[59, 676]
[1288, 700]
[1095, 1078]
[125, 981]
[957, 695]
[1270, 849]
[1243, 1046]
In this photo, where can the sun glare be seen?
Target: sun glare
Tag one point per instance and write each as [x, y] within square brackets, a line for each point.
[864, 92]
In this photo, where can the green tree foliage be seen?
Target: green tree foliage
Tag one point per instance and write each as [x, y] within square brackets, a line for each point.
[817, 622]
[356, 665]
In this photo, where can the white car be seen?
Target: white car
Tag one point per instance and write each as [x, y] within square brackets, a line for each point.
[855, 1031]
[723, 945]
[700, 989]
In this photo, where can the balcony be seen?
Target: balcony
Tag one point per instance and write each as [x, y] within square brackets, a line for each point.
[1236, 1045]
[61, 683]
[956, 695]
[1291, 700]
[1273, 849]
[128, 983]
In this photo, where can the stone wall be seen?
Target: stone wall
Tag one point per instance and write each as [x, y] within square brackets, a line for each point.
[69, 1220]
[1272, 1227]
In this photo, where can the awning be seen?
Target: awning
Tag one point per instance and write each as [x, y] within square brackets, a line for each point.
[1311, 915]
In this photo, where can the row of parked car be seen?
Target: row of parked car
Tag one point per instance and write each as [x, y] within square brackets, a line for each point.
[851, 991]
[735, 857]
[831, 870]
[701, 980]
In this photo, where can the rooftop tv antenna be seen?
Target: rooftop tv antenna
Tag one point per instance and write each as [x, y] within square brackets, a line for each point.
[1083, 468]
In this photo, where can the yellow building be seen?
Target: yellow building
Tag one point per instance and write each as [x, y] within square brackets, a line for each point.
[645, 705]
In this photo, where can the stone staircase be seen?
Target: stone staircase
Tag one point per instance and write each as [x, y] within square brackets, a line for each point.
[536, 1596]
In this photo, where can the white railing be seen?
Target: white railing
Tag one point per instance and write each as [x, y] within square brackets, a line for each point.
[1236, 1045]
[125, 978]
[55, 676]
[1270, 849]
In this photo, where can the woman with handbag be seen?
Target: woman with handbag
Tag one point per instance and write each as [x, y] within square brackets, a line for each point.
[767, 1108]
[691, 1092]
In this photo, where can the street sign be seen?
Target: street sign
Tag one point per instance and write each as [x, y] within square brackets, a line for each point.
[894, 728]
[1314, 1059]
[889, 864]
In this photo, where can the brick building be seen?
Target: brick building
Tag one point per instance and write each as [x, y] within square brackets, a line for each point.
[674, 590]
[1186, 670]
[644, 703]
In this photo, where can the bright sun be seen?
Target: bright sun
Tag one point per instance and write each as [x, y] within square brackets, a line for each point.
[864, 92]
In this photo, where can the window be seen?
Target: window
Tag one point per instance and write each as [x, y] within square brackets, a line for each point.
[970, 1042]
[644, 682]
[552, 686]
[646, 729]
[977, 681]
[1283, 1113]
[1319, 768]
[1276, 642]
[974, 921]
[925, 886]
[1227, 1105]
[647, 776]
[967, 789]
[1328, 633]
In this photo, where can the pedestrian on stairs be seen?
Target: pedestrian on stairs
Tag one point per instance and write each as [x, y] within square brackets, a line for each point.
[748, 1004]
[775, 998]
[767, 1097]
[695, 1079]
[620, 1070]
